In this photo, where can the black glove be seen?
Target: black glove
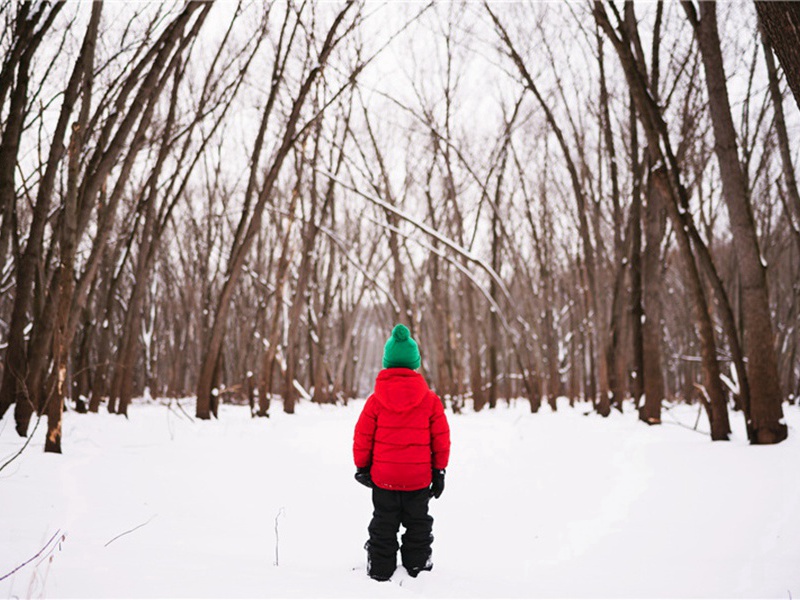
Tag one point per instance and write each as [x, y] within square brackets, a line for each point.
[437, 483]
[363, 476]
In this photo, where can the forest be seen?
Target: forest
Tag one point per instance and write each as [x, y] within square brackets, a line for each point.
[235, 202]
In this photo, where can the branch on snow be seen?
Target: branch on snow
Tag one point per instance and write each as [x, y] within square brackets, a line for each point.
[40, 552]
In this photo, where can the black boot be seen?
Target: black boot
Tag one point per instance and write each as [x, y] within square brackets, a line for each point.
[381, 572]
[414, 571]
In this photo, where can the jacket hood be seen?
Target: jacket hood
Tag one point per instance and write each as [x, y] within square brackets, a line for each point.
[400, 389]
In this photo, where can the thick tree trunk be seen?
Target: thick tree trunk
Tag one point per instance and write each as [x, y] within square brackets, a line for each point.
[766, 416]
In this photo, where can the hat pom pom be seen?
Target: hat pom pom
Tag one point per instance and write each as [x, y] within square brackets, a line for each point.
[401, 333]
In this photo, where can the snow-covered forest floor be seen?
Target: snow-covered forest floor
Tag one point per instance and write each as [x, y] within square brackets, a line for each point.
[547, 505]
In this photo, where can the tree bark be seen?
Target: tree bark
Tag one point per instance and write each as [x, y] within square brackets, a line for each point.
[793, 200]
[780, 22]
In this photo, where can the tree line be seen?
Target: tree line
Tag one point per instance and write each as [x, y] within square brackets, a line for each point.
[236, 202]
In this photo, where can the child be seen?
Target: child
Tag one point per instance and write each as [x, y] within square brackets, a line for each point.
[401, 447]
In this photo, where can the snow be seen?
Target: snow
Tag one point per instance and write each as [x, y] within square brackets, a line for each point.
[561, 504]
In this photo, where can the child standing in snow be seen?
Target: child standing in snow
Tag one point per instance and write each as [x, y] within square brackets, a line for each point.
[401, 447]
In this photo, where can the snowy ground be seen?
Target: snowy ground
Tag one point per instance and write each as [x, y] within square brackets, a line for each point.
[547, 505]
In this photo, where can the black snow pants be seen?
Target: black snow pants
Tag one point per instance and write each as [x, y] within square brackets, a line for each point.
[393, 508]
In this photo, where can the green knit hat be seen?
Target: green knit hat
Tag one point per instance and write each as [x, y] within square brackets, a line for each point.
[400, 349]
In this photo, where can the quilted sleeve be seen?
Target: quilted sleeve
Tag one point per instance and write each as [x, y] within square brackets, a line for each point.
[365, 434]
[440, 435]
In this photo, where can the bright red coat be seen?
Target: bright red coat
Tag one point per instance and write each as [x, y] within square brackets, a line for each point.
[402, 432]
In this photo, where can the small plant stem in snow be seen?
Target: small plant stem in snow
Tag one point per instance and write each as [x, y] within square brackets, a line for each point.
[129, 531]
[280, 512]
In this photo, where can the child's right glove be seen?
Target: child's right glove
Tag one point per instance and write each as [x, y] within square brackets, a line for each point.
[363, 477]
[437, 483]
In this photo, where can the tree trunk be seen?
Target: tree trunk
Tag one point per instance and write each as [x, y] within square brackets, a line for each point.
[793, 200]
[762, 367]
[472, 334]
[636, 309]
[655, 228]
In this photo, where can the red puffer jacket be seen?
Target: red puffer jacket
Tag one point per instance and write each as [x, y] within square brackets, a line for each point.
[402, 432]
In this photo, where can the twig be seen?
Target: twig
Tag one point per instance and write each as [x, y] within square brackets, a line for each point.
[34, 557]
[173, 411]
[129, 531]
[183, 410]
[25, 445]
[280, 512]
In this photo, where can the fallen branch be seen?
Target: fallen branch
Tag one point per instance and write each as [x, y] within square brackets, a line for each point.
[129, 531]
[35, 556]
[673, 421]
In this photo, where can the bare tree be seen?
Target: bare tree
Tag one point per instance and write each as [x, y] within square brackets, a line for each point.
[251, 218]
[765, 422]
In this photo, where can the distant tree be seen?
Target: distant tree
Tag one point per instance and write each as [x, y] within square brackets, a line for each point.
[250, 220]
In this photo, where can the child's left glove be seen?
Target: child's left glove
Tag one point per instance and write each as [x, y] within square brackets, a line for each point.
[363, 477]
[437, 483]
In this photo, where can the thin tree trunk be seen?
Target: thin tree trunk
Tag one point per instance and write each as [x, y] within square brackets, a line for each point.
[655, 228]
[636, 309]
[471, 332]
